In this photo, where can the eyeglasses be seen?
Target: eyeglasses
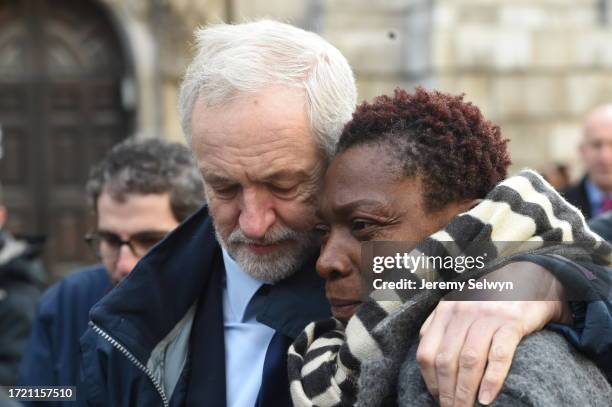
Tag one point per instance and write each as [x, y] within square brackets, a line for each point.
[107, 245]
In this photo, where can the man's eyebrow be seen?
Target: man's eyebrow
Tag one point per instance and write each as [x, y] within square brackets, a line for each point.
[214, 177]
[138, 233]
[285, 174]
[104, 230]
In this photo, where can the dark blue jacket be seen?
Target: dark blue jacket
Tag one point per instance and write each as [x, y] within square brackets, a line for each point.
[178, 284]
[588, 288]
[577, 195]
[602, 225]
[52, 355]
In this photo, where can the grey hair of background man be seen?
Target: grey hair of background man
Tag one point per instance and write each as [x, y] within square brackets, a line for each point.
[149, 166]
[250, 57]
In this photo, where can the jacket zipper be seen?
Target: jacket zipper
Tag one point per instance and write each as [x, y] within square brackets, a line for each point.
[132, 359]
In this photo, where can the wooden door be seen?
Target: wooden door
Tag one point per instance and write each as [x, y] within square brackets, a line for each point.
[61, 67]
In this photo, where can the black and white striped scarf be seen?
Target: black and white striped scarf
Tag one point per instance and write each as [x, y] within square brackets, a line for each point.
[327, 359]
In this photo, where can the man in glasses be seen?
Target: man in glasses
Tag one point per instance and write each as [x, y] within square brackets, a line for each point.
[139, 192]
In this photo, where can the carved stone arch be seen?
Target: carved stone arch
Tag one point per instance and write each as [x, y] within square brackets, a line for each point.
[62, 106]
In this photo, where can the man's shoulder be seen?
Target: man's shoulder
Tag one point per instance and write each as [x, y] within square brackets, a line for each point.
[85, 285]
[85, 277]
[576, 189]
[602, 225]
[578, 196]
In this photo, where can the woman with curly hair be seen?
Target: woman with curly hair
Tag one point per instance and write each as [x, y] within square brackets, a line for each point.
[427, 167]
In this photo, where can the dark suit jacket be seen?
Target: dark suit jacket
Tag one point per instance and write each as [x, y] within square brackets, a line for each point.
[602, 225]
[577, 195]
[53, 353]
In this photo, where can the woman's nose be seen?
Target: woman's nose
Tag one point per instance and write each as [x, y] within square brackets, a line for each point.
[334, 258]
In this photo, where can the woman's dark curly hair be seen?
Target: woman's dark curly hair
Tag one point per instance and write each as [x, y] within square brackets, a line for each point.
[440, 138]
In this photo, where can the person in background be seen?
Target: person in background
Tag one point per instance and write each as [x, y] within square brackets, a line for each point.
[602, 225]
[139, 192]
[557, 175]
[593, 193]
[22, 279]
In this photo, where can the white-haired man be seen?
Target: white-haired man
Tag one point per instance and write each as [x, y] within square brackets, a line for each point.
[262, 106]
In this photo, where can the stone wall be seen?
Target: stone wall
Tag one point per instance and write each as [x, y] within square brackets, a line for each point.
[534, 66]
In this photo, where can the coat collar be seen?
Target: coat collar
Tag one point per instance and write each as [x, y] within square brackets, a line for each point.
[165, 283]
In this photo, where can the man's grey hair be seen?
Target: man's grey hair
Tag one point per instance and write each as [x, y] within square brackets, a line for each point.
[149, 166]
[250, 57]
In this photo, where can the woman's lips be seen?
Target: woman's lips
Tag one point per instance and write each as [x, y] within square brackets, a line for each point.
[344, 309]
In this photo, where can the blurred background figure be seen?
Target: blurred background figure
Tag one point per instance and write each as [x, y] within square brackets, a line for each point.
[557, 175]
[21, 281]
[602, 225]
[139, 192]
[593, 193]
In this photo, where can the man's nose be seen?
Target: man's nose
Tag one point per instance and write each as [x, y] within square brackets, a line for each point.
[126, 261]
[257, 214]
[334, 259]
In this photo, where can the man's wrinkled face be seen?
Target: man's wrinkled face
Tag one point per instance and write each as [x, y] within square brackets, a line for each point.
[596, 148]
[262, 173]
[143, 220]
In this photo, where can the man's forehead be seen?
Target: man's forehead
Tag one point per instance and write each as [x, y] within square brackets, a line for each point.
[600, 120]
[599, 132]
[268, 103]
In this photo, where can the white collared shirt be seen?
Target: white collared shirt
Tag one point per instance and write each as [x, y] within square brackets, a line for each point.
[246, 340]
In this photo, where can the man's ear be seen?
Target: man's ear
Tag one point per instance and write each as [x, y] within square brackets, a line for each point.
[2, 215]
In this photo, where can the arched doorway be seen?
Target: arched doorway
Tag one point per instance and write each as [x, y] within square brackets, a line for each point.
[61, 109]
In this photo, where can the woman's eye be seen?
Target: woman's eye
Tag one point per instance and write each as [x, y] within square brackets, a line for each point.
[360, 224]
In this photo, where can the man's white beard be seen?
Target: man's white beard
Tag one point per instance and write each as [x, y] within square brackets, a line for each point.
[270, 267]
